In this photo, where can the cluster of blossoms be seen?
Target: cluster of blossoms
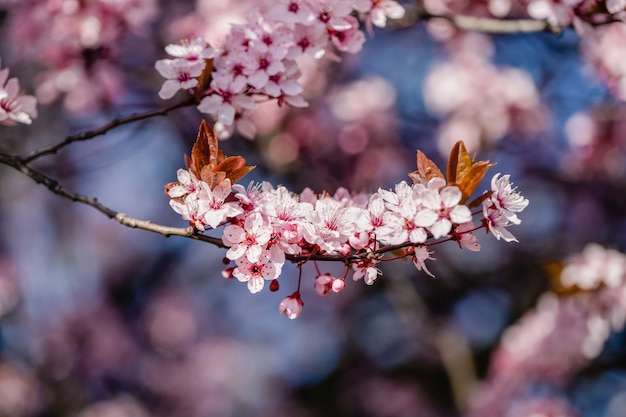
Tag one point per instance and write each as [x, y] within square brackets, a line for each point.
[14, 106]
[258, 60]
[76, 41]
[265, 225]
[562, 334]
[478, 100]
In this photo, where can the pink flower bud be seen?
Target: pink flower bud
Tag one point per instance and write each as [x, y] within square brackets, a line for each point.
[228, 272]
[338, 285]
[274, 286]
[323, 284]
[291, 306]
[345, 249]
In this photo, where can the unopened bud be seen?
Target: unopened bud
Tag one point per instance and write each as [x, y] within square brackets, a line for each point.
[228, 272]
[291, 306]
[338, 285]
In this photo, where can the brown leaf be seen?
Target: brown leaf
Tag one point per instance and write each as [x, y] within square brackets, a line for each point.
[479, 200]
[210, 164]
[426, 170]
[204, 80]
[464, 172]
[472, 178]
[204, 151]
[458, 163]
[237, 174]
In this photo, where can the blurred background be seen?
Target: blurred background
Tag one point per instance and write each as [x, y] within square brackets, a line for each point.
[100, 320]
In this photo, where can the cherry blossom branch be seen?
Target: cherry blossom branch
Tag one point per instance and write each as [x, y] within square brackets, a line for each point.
[90, 134]
[21, 164]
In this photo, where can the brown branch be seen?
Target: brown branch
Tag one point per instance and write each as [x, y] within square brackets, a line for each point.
[491, 25]
[501, 26]
[104, 129]
[20, 165]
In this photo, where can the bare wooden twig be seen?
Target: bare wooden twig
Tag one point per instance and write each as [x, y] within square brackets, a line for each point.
[90, 134]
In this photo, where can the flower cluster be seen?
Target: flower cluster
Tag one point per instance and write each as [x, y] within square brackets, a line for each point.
[257, 60]
[14, 106]
[76, 41]
[562, 334]
[459, 90]
[265, 225]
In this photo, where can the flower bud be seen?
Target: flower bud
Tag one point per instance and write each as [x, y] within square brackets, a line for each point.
[338, 285]
[228, 272]
[323, 284]
[291, 306]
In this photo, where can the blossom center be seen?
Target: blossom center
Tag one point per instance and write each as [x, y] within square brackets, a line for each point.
[293, 7]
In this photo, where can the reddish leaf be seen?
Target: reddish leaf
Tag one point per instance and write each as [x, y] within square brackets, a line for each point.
[204, 151]
[210, 164]
[426, 170]
[458, 163]
[472, 178]
[464, 172]
[479, 200]
[204, 80]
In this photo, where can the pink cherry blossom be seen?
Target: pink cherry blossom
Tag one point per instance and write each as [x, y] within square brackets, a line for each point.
[227, 97]
[506, 198]
[350, 39]
[15, 107]
[366, 269]
[256, 273]
[217, 209]
[404, 206]
[497, 223]
[180, 74]
[420, 256]
[333, 13]
[250, 240]
[195, 49]
[265, 37]
[324, 284]
[283, 206]
[293, 11]
[285, 83]
[191, 208]
[330, 225]
[308, 39]
[466, 238]
[442, 207]
[266, 66]
[376, 12]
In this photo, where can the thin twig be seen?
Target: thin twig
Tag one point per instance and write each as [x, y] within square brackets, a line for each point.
[104, 129]
[53, 185]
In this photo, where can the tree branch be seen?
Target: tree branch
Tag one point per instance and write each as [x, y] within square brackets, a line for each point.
[104, 129]
[498, 26]
[20, 165]
[491, 25]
